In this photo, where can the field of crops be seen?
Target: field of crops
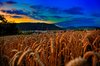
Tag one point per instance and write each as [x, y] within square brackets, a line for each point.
[48, 49]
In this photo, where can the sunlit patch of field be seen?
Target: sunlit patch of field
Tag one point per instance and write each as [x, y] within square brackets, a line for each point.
[54, 48]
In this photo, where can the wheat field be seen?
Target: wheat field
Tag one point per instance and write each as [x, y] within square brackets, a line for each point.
[54, 48]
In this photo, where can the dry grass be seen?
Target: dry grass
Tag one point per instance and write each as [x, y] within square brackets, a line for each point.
[48, 49]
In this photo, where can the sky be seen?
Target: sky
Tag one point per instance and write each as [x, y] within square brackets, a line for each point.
[69, 12]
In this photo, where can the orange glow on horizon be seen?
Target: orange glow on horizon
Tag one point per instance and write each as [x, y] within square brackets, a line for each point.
[23, 19]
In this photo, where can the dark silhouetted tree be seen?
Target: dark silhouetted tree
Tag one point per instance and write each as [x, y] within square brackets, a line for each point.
[2, 19]
[7, 28]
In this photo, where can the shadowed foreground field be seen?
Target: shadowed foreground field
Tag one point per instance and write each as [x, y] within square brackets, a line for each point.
[47, 49]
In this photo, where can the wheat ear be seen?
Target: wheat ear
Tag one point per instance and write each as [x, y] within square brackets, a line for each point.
[93, 55]
[23, 55]
[14, 58]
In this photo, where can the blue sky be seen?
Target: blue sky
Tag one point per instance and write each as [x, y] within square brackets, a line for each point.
[55, 11]
[88, 5]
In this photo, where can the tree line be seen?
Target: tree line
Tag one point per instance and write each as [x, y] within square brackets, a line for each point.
[7, 28]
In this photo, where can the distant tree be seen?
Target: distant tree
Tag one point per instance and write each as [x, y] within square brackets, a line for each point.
[2, 18]
[7, 28]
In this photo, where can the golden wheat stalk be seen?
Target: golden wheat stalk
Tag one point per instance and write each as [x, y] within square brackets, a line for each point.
[62, 37]
[52, 45]
[77, 62]
[38, 59]
[23, 55]
[85, 60]
[93, 55]
[14, 50]
[32, 54]
[14, 58]
[38, 48]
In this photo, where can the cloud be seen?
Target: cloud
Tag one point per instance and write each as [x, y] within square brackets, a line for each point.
[19, 12]
[10, 2]
[96, 14]
[78, 22]
[37, 7]
[74, 11]
[54, 10]
[7, 3]
[17, 16]
[1, 4]
[58, 17]
[83, 22]
[44, 9]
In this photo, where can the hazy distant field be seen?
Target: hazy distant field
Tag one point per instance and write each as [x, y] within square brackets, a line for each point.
[47, 49]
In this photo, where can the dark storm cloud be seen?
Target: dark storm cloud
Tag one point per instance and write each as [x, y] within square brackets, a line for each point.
[17, 16]
[96, 14]
[74, 11]
[78, 22]
[1, 4]
[36, 6]
[83, 20]
[19, 12]
[7, 3]
[58, 17]
[54, 10]
[37, 9]
[41, 9]
[10, 2]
